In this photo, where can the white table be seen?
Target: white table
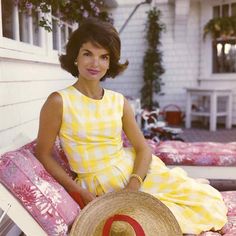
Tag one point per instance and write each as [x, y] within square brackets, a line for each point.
[212, 113]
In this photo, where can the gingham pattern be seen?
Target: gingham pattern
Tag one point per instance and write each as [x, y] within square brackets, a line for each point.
[88, 127]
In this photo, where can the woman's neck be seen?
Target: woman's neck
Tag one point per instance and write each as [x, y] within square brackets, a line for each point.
[92, 90]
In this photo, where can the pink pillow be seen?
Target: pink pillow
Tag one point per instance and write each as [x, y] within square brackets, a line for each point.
[230, 228]
[45, 199]
[230, 201]
[197, 154]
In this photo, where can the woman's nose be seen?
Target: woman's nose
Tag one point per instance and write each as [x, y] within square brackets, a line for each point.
[95, 61]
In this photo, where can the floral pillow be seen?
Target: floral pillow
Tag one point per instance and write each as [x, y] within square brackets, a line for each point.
[197, 154]
[38, 192]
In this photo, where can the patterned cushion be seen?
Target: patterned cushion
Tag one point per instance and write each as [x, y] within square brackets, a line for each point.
[45, 199]
[230, 201]
[199, 154]
[37, 191]
[230, 228]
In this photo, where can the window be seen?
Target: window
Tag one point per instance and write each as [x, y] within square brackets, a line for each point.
[224, 54]
[20, 26]
[61, 31]
[224, 50]
[233, 9]
[24, 27]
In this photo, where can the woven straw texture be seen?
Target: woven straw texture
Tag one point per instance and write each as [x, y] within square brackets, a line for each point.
[153, 216]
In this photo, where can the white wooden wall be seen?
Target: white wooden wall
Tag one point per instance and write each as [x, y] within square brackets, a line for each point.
[24, 86]
[133, 49]
[186, 57]
[180, 46]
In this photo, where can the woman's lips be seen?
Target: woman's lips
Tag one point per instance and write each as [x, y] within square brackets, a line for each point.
[93, 72]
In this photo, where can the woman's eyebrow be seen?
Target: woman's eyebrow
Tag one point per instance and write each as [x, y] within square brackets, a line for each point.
[106, 54]
[84, 49]
[87, 50]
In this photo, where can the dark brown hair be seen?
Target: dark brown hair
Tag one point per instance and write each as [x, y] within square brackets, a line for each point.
[99, 33]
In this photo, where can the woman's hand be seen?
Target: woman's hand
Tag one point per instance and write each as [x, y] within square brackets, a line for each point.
[86, 196]
[82, 197]
[133, 185]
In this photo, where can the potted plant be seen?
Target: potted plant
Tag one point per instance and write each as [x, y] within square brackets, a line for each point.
[221, 27]
[152, 63]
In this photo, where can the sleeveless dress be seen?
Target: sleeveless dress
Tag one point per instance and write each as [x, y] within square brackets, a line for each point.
[90, 135]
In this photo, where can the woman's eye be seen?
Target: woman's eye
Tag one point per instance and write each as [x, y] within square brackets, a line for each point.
[86, 54]
[105, 57]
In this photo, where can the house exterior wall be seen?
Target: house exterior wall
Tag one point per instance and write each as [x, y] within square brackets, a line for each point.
[180, 47]
[26, 79]
[133, 46]
[187, 58]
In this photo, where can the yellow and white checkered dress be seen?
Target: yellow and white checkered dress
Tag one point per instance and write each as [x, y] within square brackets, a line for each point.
[91, 138]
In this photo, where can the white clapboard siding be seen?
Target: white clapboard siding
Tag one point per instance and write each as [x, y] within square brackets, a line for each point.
[133, 48]
[21, 92]
[28, 129]
[180, 55]
[24, 87]
[21, 113]
[20, 70]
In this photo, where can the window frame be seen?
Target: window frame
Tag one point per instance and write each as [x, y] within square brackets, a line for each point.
[206, 49]
[59, 25]
[29, 51]
[221, 14]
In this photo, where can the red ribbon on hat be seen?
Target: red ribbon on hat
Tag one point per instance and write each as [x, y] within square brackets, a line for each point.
[135, 225]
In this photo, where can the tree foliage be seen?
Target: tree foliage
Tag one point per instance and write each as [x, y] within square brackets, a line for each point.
[152, 63]
[66, 10]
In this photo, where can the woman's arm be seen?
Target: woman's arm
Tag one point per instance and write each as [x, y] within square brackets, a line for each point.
[143, 152]
[49, 126]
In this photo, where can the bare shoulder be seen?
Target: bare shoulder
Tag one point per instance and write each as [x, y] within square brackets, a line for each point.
[49, 125]
[127, 106]
[53, 104]
[55, 98]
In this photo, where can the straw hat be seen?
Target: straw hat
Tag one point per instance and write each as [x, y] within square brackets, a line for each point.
[126, 213]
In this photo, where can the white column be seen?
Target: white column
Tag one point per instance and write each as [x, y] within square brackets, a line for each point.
[30, 27]
[188, 110]
[16, 25]
[228, 123]
[213, 111]
[59, 39]
[49, 39]
[41, 35]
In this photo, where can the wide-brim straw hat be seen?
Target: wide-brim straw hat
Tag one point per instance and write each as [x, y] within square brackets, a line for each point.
[126, 213]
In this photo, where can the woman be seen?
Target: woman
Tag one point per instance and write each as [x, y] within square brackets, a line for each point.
[89, 120]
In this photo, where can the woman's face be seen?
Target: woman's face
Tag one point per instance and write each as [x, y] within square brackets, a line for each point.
[93, 61]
